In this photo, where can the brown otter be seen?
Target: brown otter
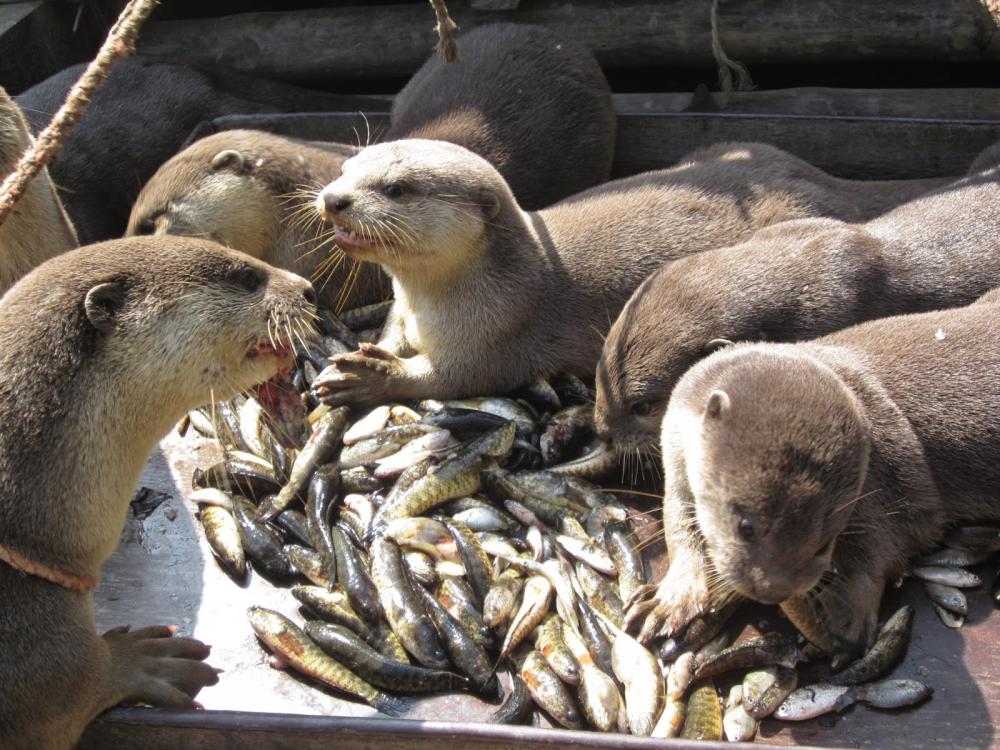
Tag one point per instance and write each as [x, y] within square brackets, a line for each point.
[249, 190]
[534, 105]
[139, 118]
[38, 228]
[488, 297]
[103, 350]
[819, 469]
[795, 281]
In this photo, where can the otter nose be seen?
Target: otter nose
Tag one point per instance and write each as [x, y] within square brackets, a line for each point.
[310, 294]
[335, 203]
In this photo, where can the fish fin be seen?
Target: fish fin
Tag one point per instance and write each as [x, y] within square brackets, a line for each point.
[392, 705]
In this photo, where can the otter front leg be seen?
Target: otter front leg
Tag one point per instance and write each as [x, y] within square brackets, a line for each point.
[681, 596]
[150, 665]
[373, 374]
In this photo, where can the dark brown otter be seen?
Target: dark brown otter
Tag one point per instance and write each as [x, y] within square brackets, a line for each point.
[102, 350]
[817, 470]
[795, 281]
[534, 105]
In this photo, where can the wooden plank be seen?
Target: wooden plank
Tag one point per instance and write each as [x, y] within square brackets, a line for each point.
[951, 104]
[393, 40]
[854, 147]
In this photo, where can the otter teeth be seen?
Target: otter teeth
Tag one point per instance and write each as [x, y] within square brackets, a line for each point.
[267, 347]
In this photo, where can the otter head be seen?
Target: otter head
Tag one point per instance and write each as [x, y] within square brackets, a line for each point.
[169, 322]
[212, 190]
[414, 205]
[776, 450]
[659, 334]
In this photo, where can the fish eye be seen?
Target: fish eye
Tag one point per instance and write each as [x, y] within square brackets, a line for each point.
[746, 529]
[245, 277]
[392, 190]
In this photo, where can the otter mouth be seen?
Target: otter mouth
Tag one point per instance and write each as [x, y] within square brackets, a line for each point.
[268, 348]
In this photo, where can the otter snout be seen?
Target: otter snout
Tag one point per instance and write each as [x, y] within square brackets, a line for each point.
[335, 203]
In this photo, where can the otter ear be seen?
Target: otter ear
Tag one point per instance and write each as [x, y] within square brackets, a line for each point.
[229, 158]
[718, 405]
[102, 303]
[714, 345]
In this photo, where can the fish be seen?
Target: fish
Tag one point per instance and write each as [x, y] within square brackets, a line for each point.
[359, 657]
[639, 672]
[354, 577]
[296, 649]
[564, 432]
[321, 447]
[950, 556]
[761, 706]
[253, 479]
[549, 692]
[704, 715]
[223, 536]
[403, 609]
[599, 696]
[773, 648]
[308, 562]
[498, 605]
[368, 426]
[456, 596]
[478, 569]
[333, 606]
[517, 706]
[321, 497]
[261, 543]
[812, 701]
[888, 650]
[948, 576]
[535, 603]
[890, 693]
[737, 724]
[465, 653]
[624, 550]
[549, 642]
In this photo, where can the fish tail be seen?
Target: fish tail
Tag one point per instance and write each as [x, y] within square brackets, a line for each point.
[391, 705]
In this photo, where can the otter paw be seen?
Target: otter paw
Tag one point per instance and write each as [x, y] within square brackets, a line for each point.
[678, 600]
[358, 376]
[150, 665]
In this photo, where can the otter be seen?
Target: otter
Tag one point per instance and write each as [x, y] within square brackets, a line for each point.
[533, 104]
[104, 349]
[536, 107]
[792, 281]
[252, 191]
[139, 118]
[817, 470]
[489, 297]
[38, 228]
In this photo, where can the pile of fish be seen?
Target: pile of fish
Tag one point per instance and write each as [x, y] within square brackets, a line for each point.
[944, 572]
[443, 541]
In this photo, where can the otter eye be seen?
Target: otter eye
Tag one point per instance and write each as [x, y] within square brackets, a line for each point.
[147, 226]
[245, 277]
[641, 408]
[392, 190]
[746, 530]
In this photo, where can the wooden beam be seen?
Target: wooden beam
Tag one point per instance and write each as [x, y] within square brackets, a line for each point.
[950, 104]
[393, 40]
[855, 147]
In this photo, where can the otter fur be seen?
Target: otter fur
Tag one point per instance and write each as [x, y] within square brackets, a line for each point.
[251, 191]
[489, 297]
[793, 281]
[816, 471]
[533, 104]
[38, 228]
[102, 350]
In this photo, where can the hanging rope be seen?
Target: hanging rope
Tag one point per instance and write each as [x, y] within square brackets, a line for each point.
[446, 28]
[726, 65]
